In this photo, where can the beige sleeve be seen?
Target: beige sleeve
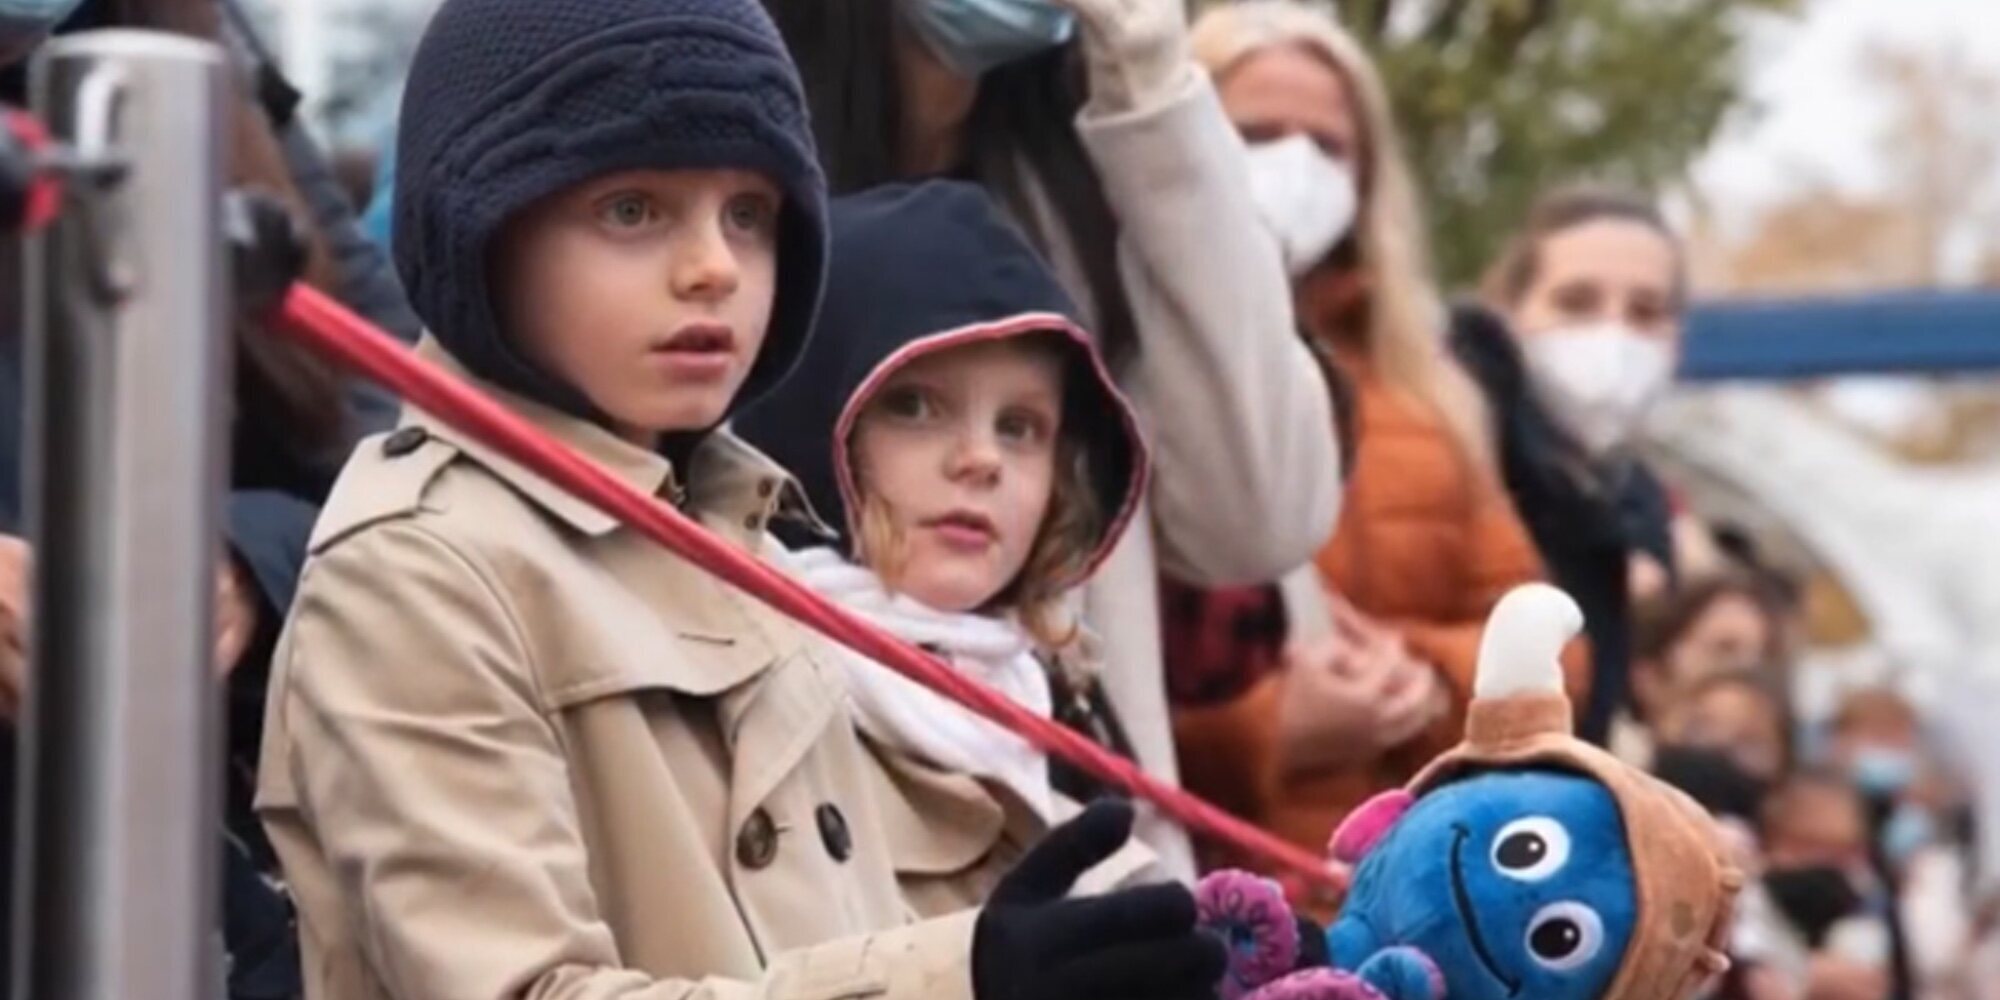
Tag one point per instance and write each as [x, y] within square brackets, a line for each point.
[1246, 468]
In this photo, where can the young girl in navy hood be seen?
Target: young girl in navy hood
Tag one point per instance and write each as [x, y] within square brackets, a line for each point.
[957, 425]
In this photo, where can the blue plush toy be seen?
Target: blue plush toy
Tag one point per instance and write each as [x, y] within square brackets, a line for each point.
[1523, 864]
[1535, 895]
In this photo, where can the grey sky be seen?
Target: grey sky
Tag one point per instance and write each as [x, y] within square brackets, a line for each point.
[1820, 118]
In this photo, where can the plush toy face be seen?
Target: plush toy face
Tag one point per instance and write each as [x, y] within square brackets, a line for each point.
[1517, 883]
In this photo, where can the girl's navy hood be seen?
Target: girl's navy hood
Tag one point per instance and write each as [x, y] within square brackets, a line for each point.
[511, 101]
[918, 269]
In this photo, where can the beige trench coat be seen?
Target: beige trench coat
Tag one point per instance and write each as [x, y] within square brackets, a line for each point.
[515, 751]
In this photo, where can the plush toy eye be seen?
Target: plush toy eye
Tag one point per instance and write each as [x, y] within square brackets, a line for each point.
[1532, 849]
[1564, 936]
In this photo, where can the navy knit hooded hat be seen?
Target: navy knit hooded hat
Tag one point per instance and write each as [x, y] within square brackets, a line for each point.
[510, 101]
[919, 269]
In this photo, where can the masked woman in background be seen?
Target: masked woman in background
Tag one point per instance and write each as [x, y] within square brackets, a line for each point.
[1578, 339]
[1427, 541]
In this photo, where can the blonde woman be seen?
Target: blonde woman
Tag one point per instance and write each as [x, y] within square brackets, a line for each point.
[1427, 540]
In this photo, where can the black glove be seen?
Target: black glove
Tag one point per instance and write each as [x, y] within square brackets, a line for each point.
[1032, 943]
[267, 249]
[1313, 952]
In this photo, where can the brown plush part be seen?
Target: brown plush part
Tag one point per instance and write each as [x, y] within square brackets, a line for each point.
[1686, 884]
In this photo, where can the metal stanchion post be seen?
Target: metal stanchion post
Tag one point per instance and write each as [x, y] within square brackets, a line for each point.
[127, 389]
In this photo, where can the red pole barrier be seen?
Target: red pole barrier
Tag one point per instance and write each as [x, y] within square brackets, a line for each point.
[333, 331]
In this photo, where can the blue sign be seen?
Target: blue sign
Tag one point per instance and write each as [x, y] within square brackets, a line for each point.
[1930, 332]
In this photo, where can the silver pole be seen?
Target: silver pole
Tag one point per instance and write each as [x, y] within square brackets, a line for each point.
[127, 389]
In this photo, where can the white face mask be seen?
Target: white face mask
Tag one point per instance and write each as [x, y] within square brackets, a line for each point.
[1600, 379]
[1308, 199]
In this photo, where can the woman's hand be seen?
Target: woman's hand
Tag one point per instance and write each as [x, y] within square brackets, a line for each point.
[1350, 698]
[1422, 691]
[1136, 50]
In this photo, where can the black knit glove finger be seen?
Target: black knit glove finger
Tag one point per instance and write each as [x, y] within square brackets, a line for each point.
[1033, 943]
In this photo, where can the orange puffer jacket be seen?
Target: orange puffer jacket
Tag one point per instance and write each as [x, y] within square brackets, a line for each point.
[1427, 544]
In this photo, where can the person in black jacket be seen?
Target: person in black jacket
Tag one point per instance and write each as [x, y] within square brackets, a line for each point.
[1581, 339]
[1588, 520]
[293, 423]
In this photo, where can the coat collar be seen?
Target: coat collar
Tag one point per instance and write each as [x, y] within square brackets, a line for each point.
[727, 481]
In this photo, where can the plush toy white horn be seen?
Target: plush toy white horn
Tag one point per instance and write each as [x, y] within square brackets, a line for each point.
[1524, 637]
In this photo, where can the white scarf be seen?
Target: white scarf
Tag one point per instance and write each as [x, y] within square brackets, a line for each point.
[907, 716]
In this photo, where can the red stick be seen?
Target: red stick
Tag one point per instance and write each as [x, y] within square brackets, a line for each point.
[330, 329]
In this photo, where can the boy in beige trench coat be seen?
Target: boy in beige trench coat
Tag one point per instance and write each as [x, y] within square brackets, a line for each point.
[514, 750]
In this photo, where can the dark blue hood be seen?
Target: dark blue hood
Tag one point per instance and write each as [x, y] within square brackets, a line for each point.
[510, 101]
[920, 268]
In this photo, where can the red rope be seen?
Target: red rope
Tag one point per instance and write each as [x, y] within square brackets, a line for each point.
[330, 329]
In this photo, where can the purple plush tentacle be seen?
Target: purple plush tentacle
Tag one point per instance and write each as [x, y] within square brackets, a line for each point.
[1318, 984]
[1250, 915]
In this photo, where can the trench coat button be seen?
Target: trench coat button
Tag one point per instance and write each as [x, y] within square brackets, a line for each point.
[404, 441]
[754, 523]
[766, 487]
[834, 833]
[757, 842]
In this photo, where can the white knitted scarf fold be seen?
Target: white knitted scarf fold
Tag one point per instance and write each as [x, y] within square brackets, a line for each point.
[907, 716]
